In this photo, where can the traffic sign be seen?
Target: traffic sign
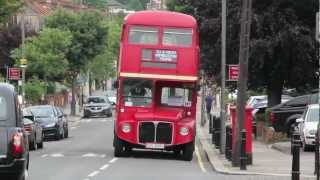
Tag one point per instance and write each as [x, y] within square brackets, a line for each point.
[317, 27]
[14, 74]
[23, 62]
[233, 72]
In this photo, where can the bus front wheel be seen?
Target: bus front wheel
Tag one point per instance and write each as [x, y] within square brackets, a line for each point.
[187, 151]
[118, 147]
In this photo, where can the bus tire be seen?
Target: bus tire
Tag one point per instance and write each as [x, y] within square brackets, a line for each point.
[187, 151]
[118, 147]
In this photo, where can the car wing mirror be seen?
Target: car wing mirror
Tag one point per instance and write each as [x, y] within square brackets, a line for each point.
[299, 120]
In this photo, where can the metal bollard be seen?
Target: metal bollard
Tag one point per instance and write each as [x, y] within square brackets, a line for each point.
[210, 123]
[296, 156]
[316, 157]
[217, 140]
[217, 133]
[230, 145]
[228, 150]
[213, 129]
[243, 155]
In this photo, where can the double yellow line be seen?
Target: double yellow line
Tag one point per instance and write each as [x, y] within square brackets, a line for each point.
[200, 162]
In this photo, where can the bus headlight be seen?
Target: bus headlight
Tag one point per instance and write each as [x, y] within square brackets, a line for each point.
[184, 131]
[126, 128]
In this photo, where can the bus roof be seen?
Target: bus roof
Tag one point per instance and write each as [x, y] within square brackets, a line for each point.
[160, 18]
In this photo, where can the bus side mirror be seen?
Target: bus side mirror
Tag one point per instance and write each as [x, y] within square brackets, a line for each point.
[116, 84]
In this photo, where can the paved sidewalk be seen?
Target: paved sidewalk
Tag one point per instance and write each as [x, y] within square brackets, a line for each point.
[266, 160]
[71, 118]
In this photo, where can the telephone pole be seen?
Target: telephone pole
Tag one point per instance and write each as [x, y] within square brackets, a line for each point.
[223, 75]
[243, 76]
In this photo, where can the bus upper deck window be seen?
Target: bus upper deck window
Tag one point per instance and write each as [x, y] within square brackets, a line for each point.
[143, 35]
[177, 37]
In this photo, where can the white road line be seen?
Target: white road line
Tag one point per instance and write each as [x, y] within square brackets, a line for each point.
[200, 160]
[103, 156]
[57, 155]
[45, 155]
[94, 173]
[73, 128]
[113, 160]
[90, 155]
[104, 167]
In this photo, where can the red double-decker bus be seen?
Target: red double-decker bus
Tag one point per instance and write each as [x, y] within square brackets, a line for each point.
[156, 86]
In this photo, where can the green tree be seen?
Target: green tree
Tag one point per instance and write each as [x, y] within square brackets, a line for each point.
[103, 66]
[89, 35]
[34, 90]
[282, 42]
[46, 54]
[7, 9]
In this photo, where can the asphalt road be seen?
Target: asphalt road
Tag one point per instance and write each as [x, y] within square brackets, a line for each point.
[88, 155]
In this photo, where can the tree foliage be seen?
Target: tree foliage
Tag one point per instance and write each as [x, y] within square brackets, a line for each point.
[137, 5]
[46, 54]
[103, 66]
[7, 9]
[282, 41]
[88, 36]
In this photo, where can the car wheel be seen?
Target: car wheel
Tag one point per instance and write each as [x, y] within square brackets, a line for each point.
[62, 133]
[66, 133]
[187, 151]
[33, 144]
[40, 144]
[118, 147]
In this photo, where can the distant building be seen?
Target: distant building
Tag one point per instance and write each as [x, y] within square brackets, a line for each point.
[114, 7]
[156, 5]
[36, 10]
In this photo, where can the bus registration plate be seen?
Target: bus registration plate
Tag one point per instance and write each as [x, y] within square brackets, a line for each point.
[154, 146]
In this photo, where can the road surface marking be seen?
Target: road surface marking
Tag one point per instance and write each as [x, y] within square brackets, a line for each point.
[200, 160]
[90, 155]
[104, 167]
[94, 173]
[73, 128]
[57, 155]
[103, 156]
[113, 160]
[45, 155]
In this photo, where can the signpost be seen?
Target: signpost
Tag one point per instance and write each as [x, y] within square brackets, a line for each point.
[14, 74]
[233, 72]
[318, 27]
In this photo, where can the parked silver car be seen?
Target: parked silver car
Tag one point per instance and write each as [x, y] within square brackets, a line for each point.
[308, 126]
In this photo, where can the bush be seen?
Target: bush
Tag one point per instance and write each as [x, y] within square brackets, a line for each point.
[34, 90]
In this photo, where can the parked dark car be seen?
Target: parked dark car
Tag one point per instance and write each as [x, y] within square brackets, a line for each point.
[14, 150]
[97, 106]
[65, 121]
[50, 120]
[33, 130]
[283, 116]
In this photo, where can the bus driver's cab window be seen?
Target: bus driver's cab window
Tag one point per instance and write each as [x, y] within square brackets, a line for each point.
[137, 92]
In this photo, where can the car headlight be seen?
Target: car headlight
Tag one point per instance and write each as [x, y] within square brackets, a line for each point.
[184, 131]
[126, 128]
[50, 125]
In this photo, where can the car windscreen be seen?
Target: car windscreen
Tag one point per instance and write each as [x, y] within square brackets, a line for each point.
[93, 100]
[313, 115]
[42, 111]
[3, 109]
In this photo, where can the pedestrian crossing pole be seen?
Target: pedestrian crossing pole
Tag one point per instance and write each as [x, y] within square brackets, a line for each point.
[246, 6]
